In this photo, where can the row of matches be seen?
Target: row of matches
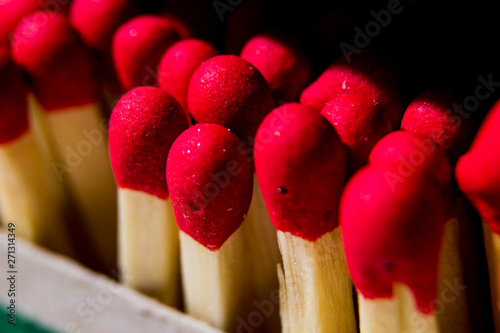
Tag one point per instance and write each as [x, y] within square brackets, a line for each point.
[243, 184]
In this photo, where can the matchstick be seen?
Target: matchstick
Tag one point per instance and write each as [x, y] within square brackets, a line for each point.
[179, 63]
[429, 114]
[360, 123]
[210, 184]
[12, 12]
[66, 109]
[96, 22]
[369, 73]
[389, 210]
[300, 164]
[478, 178]
[138, 46]
[144, 124]
[31, 197]
[231, 92]
[280, 59]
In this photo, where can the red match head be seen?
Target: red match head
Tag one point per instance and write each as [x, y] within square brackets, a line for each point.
[404, 154]
[281, 62]
[367, 73]
[13, 93]
[478, 171]
[97, 20]
[393, 232]
[360, 124]
[431, 113]
[231, 92]
[210, 182]
[62, 69]
[143, 125]
[13, 11]
[179, 63]
[300, 165]
[138, 46]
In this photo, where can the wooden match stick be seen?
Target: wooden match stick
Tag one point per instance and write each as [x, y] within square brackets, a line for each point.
[31, 197]
[210, 183]
[231, 92]
[65, 85]
[478, 177]
[143, 126]
[389, 210]
[300, 164]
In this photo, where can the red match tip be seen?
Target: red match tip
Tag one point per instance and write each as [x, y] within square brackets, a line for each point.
[13, 92]
[360, 124]
[393, 232]
[138, 46]
[281, 62]
[366, 73]
[404, 154]
[12, 12]
[210, 182]
[62, 70]
[231, 92]
[300, 165]
[97, 20]
[143, 125]
[431, 113]
[478, 173]
[179, 63]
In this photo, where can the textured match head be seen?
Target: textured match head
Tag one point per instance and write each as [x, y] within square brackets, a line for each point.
[97, 20]
[360, 123]
[282, 63]
[143, 125]
[13, 93]
[13, 11]
[62, 70]
[138, 46]
[300, 165]
[179, 63]
[405, 154]
[392, 216]
[478, 173]
[431, 114]
[231, 92]
[368, 73]
[210, 179]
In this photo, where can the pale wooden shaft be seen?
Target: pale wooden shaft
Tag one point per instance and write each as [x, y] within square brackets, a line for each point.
[395, 315]
[31, 196]
[400, 313]
[492, 245]
[215, 283]
[148, 245]
[316, 288]
[263, 255]
[77, 141]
